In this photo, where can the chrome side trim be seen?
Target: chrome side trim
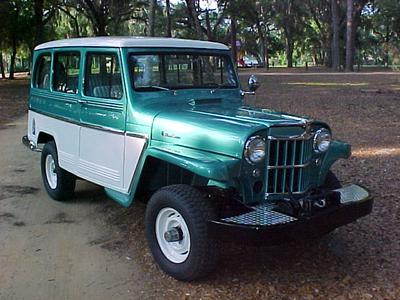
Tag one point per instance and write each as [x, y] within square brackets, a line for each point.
[137, 135]
[103, 105]
[102, 128]
[98, 127]
[54, 97]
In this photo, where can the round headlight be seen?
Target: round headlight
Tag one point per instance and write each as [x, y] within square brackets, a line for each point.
[322, 140]
[254, 150]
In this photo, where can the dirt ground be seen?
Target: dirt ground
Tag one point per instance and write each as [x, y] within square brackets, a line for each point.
[94, 249]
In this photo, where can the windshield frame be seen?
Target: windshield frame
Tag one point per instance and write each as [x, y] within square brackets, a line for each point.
[225, 55]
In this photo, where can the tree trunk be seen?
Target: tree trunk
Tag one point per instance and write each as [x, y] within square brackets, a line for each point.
[349, 36]
[210, 35]
[335, 46]
[168, 13]
[386, 46]
[2, 71]
[152, 17]
[193, 15]
[233, 40]
[101, 29]
[38, 20]
[263, 52]
[289, 52]
[13, 56]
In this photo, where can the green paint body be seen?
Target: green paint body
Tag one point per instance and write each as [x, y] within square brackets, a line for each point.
[203, 131]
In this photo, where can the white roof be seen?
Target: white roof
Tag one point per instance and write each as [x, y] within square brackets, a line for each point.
[131, 41]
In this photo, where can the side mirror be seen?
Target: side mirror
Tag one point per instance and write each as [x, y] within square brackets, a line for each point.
[253, 83]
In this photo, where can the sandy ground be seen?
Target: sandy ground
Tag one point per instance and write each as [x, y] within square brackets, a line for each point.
[50, 250]
[91, 248]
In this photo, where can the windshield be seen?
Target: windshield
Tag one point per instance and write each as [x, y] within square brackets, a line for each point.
[181, 71]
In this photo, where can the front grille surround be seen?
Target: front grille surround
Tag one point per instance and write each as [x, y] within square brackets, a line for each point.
[288, 164]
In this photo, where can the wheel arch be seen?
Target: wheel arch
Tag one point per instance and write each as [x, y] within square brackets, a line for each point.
[44, 137]
[163, 167]
[157, 173]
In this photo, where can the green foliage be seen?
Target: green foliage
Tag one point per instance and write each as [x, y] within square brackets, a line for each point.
[279, 31]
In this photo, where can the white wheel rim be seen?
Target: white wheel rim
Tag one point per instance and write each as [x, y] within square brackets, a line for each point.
[167, 219]
[51, 175]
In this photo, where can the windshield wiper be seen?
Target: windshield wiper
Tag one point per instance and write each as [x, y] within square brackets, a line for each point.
[156, 87]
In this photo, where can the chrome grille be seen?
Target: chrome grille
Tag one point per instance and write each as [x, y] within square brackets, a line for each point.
[287, 165]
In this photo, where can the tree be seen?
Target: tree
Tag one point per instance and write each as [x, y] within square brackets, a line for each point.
[168, 15]
[17, 27]
[335, 52]
[353, 14]
[384, 27]
[193, 12]
[152, 16]
[289, 18]
[104, 14]
[43, 12]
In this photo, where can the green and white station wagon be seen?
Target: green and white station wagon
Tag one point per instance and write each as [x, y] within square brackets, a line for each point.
[164, 120]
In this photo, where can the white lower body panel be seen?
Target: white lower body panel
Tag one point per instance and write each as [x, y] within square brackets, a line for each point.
[103, 157]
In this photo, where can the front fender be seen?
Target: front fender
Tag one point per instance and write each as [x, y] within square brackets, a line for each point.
[219, 169]
[208, 165]
[337, 150]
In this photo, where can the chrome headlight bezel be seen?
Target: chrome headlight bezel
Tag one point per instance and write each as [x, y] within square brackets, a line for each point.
[254, 149]
[322, 140]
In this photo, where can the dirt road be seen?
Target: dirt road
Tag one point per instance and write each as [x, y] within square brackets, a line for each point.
[91, 248]
[53, 250]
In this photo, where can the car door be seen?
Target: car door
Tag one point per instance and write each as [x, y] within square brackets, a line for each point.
[56, 97]
[102, 117]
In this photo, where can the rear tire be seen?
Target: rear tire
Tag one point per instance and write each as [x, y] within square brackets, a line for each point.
[187, 210]
[59, 184]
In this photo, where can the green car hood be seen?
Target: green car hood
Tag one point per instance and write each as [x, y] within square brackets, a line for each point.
[216, 128]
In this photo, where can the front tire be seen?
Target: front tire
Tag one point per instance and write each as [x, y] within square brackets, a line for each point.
[177, 232]
[59, 184]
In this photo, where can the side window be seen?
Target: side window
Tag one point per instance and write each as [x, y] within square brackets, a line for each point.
[103, 76]
[42, 75]
[66, 72]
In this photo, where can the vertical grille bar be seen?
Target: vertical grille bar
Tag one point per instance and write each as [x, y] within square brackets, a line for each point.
[268, 155]
[301, 162]
[276, 170]
[293, 170]
[285, 164]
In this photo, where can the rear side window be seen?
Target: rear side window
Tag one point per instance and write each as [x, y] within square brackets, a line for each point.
[66, 72]
[42, 76]
[103, 76]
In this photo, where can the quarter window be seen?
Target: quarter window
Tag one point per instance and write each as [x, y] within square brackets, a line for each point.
[103, 76]
[66, 72]
[42, 76]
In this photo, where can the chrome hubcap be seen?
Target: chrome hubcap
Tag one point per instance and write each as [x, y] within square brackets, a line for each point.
[50, 168]
[172, 235]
